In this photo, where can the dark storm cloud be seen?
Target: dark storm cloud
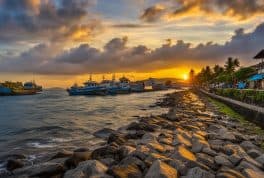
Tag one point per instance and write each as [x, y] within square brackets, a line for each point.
[153, 13]
[39, 19]
[131, 25]
[116, 56]
[239, 9]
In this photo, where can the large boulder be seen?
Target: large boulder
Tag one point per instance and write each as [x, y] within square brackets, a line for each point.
[160, 169]
[247, 145]
[254, 153]
[125, 171]
[87, 169]
[13, 164]
[222, 160]
[40, 170]
[117, 138]
[207, 160]
[140, 126]
[76, 158]
[104, 133]
[62, 154]
[183, 154]
[226, 172]
[260, 159]
[199, 173]
[199, 144]
[251, 173]
[181, 139]
[179, 166]
[108, 151]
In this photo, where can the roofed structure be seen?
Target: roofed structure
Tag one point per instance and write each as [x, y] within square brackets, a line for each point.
[260, 55]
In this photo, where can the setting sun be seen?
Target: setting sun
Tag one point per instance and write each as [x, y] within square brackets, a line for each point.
[185, 77]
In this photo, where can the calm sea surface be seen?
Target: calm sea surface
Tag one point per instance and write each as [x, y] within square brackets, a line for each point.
[45, 123]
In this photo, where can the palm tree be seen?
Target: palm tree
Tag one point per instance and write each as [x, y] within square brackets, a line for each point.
[218, 70]
[231, 65]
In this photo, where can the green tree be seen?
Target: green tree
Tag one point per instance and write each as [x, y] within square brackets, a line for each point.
[231, 65]
[244, 73]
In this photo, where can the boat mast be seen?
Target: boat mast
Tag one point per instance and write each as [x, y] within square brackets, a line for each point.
[90, 77]
[113, 77]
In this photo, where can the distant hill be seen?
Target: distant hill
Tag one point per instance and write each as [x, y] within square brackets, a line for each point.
[173, 80]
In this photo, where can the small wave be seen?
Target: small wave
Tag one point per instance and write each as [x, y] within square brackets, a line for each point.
[2, 166]
[38, 129]
[60, 140]
[40, 145]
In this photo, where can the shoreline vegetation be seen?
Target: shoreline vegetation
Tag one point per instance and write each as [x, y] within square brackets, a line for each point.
[244, 84]
[198, 137]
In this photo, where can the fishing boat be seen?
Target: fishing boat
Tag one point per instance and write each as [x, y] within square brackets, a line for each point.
[137, 86]
[15, 88]
[90, 88]
[123, 86]
[110, 85]
[5, 90]
[32, 86]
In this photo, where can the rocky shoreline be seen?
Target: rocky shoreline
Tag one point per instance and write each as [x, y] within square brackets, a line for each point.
[193, 140]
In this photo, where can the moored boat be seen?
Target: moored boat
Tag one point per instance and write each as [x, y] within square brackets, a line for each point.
[89, 88]
[32, 86]
[137, 86]
[123, 86]
[5, 90]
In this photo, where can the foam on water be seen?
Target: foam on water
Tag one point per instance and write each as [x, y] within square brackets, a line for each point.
[40, 145]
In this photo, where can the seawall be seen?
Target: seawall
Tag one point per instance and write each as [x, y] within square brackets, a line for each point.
[251, 112]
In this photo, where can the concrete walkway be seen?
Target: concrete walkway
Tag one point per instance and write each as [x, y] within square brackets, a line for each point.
[244, 105]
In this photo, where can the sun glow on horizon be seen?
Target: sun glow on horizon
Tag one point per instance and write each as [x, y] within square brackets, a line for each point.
[185, 77]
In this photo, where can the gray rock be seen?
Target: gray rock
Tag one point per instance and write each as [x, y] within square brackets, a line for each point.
[122, 171]
[40, 170]
[260, 159]
[125, 150]
[198, 145]
[199, 173]
[62, 154]
[140, 126]
[76, 158]
[135, 135]
[117, 138]
[247, 145]
[226, 135]
[108, 151]
[87, 169]
[226, 172]
[107, 161]
[251, 173]
[222, 160]
[160, 169]
[246, 165]
[254, 153]
[104, 133]
[209, 151]
[133, 160]
[179, 166]
[152, 157]
[207, 160]
[183, 154]
[13, 164]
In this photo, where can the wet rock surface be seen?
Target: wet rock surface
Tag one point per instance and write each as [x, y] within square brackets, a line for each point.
[193, 140]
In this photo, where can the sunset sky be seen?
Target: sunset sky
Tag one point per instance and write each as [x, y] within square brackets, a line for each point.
[59, 42]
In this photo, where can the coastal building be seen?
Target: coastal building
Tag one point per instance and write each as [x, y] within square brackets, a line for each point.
[257, 80]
